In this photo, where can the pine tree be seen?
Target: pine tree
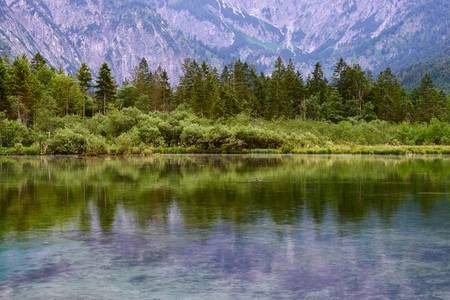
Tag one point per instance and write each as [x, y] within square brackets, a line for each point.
[295, 92]
[84, 77]
[161, 96]
[240, 88]
[390, 99]
[277, 90]
[213, 95]
[4, 90]
[317, 90]
[142, 78]
[67, 93]
[317, 84]
[338, 74]
[38, 62]
[429, 102]
[184, 93]
[105, 87]
[25, 89]
[40, 68]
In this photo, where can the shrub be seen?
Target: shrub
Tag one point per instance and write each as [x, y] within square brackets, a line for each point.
[171, 131]
[217, 138]
[192, 135]
[14, 132]
[437, 132]
[121, 121]
[257, 138]
[149, 133]
[128, 140]
[67, 141]
[98, 125]
[96, 145]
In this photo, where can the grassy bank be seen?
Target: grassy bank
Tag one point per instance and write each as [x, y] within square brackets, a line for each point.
[129, 131]
[337, 149]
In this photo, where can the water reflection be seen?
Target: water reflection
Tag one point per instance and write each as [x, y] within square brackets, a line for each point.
[225, 226]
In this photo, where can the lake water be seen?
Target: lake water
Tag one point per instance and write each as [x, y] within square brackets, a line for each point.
[225, 227]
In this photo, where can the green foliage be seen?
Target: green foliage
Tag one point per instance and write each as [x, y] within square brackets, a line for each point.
[14, 132]
[69, 98]
[235, 110]
[438, 68]
[149, 133]
[67, 141]
[128, 141]
[105, 88]
[121, 121]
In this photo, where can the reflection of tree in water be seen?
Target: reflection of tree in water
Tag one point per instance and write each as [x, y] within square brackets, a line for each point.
[43, 192]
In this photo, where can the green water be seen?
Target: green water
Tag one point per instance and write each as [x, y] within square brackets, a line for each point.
[225, 227]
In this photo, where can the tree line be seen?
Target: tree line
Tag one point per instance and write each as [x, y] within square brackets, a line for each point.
[32, 90]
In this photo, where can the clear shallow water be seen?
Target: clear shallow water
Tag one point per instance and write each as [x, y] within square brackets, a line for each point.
[208, 227]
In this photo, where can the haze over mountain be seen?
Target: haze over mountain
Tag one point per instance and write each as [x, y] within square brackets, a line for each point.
[374, 33]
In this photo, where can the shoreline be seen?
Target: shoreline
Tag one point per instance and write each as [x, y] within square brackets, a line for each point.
[319, 150]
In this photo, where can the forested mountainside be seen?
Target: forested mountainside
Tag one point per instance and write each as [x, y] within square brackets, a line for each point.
[373, 33]
[438, 68]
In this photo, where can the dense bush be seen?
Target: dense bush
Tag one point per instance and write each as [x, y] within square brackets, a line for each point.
[258, 138]
[67, 141]
[14, 132]
[121, 121]
[128, 140]
[149, 133]
[131, 131]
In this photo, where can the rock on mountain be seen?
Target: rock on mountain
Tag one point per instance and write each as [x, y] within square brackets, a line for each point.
[374, 33]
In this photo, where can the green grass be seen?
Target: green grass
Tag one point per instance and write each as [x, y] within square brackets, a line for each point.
[336, 149]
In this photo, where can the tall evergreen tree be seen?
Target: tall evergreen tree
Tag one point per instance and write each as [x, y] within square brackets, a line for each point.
[161, 96]
[429, 102]
[338, 74]
[105, 87]
[25, 89]
[84, 77]
[390, 99]
[213, 94]
[38, 62]
[185, 89]
[69, 98]
[295, 92]
[317, 84]
[277, 90]
[4, 90]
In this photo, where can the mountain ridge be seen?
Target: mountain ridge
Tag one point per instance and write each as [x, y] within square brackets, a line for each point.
[372, 33]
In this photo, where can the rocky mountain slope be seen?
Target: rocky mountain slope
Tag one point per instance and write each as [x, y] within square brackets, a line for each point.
[375, 33]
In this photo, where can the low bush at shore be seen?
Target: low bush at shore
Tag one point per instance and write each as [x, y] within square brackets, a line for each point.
[129, 131]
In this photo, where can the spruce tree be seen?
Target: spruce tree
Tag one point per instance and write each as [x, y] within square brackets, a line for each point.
[38, 62]
[161, 96]
[184, 93]
[390, 99]
[142, 79]
[67, 94]
[295, 92]
[215, 103]
[84, 77]
[277, 90]
[25, 89]
[4, 103]
[429, 102]
[317, 83]
[105, 87]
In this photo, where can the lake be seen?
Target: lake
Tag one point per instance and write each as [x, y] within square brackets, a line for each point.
[225, 227]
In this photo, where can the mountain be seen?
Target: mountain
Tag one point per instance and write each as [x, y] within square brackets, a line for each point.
[438, 68]
[374, 33]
